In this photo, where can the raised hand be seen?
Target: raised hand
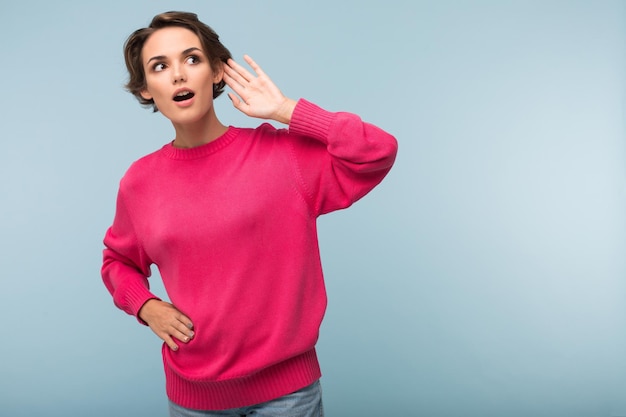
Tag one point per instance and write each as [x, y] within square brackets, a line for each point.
[167, 322]
[256, 95]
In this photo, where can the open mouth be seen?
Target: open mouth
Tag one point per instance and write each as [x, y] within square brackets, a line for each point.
[183, 95]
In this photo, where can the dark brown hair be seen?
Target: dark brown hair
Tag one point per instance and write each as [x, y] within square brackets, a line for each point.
[213, 48]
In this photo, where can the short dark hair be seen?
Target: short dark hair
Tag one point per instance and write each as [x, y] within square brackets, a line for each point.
[217, 53]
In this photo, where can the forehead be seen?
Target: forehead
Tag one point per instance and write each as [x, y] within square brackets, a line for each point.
[169, 41]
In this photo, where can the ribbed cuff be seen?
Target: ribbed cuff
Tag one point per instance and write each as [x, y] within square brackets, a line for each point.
[311, 120]
[135, 297]
[268, 384]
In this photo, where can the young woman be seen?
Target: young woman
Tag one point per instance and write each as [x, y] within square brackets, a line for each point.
[228, 215]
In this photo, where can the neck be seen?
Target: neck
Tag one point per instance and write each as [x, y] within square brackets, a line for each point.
[190, 135]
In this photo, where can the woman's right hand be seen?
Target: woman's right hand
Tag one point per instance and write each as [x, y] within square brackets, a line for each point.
[167, 322]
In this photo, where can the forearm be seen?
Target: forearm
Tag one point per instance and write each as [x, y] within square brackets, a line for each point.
[350, 141]
[340, 158]
[128, 286]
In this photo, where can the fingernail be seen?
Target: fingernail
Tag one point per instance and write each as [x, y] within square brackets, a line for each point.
[191, 334]
[175, 348]
[190, 326]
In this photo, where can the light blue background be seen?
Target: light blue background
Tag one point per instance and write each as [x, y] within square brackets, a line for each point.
[484, 277]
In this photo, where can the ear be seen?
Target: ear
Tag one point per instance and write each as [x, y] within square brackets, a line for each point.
[145, 94]
[219, 74]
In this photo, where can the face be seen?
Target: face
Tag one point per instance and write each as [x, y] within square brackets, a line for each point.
[179, 77]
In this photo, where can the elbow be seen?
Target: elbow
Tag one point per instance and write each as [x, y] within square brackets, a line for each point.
[392, 149]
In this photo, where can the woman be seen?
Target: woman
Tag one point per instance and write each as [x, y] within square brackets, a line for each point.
[228, 215]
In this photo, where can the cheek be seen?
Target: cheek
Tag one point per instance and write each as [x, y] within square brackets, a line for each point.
[156, 89]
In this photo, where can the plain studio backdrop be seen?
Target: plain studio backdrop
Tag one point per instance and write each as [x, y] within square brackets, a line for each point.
[484, 277]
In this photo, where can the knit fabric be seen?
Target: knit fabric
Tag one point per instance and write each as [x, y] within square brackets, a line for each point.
[231, 226]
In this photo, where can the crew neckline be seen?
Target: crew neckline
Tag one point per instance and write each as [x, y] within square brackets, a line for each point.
[172, 152]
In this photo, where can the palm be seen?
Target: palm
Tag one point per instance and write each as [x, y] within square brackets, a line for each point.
[256, 96]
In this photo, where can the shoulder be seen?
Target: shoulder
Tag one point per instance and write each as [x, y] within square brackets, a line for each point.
[266, 135]
[147, 162]
[141, 169]
[266, 130]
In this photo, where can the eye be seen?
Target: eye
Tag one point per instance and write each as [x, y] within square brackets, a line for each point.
[192, 59]
[158, 67]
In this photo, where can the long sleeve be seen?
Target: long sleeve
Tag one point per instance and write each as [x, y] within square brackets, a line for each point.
[125, 267]
[231, 226]
[346, 159]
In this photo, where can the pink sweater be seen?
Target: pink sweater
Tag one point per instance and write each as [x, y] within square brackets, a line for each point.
[231, 225]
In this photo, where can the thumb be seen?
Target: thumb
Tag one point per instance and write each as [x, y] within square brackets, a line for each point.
[235, 100]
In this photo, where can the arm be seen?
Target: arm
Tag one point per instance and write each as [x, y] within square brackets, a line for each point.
[339, 157]
[125, 272]
[346, 158]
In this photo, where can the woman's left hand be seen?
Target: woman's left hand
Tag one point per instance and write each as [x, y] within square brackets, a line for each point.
[256, 96]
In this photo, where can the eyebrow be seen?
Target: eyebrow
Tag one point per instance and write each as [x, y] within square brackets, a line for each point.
[185, 52]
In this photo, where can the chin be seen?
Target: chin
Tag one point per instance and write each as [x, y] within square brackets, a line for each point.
[188, 116]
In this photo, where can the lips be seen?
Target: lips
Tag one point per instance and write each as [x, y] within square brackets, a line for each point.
[183, 95]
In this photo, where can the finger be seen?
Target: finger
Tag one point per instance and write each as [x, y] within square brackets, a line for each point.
[233, 76]
[239, 98]
[238, 103]
[182, 332]
[253, 65]
[184, 336]
[239, 70]
[186, 321]
[234, 84]
[235, 100]
[170, 342]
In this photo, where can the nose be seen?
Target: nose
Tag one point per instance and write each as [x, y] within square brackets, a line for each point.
[178, 75]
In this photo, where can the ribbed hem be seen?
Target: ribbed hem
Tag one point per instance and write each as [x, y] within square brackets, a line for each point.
[311, 120]
[203, 150]
[270, 383]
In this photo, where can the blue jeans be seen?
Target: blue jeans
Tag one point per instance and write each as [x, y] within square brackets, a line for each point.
[304, 403]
